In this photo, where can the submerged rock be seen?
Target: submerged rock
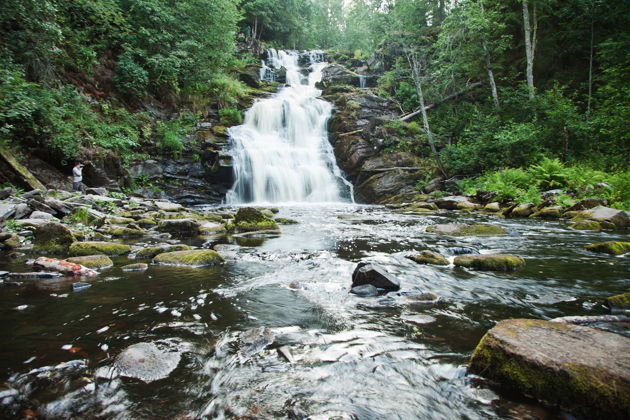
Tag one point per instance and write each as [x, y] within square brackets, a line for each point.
[583, 370]
[365, 290]
[610, 247]
[96, 262]
[493, 262]
[619, 303]
[429, 257]
[192, 258]
[92, 248]
[377, 276]
[285, 221]
[254, 341]
[455, 229]
[135, 267]
[155, 250]
[147, 362]
[52, 238]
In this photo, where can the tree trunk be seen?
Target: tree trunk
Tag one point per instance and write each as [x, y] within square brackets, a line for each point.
[415, 71]
[448, 98]
[529, 48]
[590, 72]
[493, 85]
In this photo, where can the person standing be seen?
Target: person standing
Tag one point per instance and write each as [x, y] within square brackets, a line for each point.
[77, 176]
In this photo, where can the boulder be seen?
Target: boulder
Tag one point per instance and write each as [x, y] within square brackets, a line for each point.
[492, 262]
[147, 362]
[64, 267]
[249, 219]
[92, 248]
[456, 202]
[42, 215]
[182, 227]
[619, 303]
[548, 213]
[12, 241]
[610, 247]
[22, 210]
[192, 258]
[168, 206]
[52, 238]
[429, 257]
[492, 207]
[6, 210]
[153, 251]
[96, 262]
[522, 210]
[377, 276]
[285, 221]
[586, 225]
[582, 370]
[124, 232]
[606, 214]
[135, 267]
[588, 203]
[365, 290]
[336, 74]
[455, 229]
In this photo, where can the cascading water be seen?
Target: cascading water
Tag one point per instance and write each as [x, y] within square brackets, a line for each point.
[281, 152]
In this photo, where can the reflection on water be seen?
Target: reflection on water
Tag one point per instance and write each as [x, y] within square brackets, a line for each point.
[332, 353]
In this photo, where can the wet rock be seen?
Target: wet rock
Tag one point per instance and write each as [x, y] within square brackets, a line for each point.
[605, 214]
[337, 75]
[168, 206]
[285, 352]
[80, 285]
[6, 210]
[42, 215]
[382, 186]
[366, 290]
[135, 267]
[455, 229]
[249, 219]
[149, 168]
[153, 251]
[377, 276]
[590, 320]
[586, 225]
[493, 207]
[192, 258]
[92, 248]
[418, 319]
[182, 227]
[456, 202]
[95, 262]
[64, 267]
[285, 221]
[548, 213]
[52, 238]
[588, 203]
[462, 250]
[147, 362]
[582, 370]
[125, 232]
[522, 210]
[493, 262]
[429, 257]
[619, 303]
[610, 247]
[417, 296]
[254, 341]
[36, 275]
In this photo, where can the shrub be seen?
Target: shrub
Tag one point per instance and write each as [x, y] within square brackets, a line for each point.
[230, 116]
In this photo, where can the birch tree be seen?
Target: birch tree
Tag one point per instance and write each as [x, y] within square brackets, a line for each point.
[531, 32]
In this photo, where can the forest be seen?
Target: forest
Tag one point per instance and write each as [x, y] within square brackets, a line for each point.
[540, 85]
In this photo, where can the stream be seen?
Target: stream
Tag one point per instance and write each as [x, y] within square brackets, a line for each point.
[317, 350]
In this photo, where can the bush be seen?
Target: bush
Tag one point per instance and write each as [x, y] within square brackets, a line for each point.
[230, 116]
[130, 78]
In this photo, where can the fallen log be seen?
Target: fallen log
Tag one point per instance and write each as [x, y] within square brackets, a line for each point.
[448, 98]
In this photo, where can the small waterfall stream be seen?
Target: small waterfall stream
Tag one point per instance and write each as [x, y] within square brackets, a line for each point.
[281, 151]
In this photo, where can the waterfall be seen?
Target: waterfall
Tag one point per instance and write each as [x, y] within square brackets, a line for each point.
[281, 152]
[362, 81]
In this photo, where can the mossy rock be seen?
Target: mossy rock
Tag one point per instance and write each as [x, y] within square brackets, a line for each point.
[188, 227]
[585, 371]
[256, 226]
[118, 220]
[610, 247]
[92, 248]
[14, 241]
[192, 258]
[125, 232]
[548, 213]
[576, 215]
[96, 262]
[135, 267]
[587, 225]
[493, 207]
[212, 218]
[493, 262]
[285, 221]
[52, 238]
[249, 219]
[153, 251]
[619, 302]
[429, 257]
[466, 230]
[522, 210]
[146, 223]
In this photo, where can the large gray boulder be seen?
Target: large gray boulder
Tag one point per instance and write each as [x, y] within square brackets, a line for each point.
[582, 370]
[607, 214]
[374, 274]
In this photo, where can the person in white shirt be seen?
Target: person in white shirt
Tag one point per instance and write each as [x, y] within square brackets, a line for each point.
[77, 176]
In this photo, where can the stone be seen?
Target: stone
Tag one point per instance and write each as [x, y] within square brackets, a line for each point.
[455, 229]
[22, 210]
[254, 341]
[492, 207]
[6, 192]
[151, 252]
[429, 257]
[249, 219]
[365, 290]
[548, 213]
[610, 247]
[618, 303]
[96, 191]
[125, 232]
[606, 214]
[52, 238]
[285, 221]
[135, 267]
[585, 371]
[182, 227]
[490, 262]
[147, 362]
[456, 202]
[586, 225]
[36, 275]
[191, 258]
[149, 168]
[91, 248]
[588, 203]
[374, 274]
[64, 267]
[12, 241]
[6, 210]
[168, 206]
[418, 319]
[80, 285]
[522, 210]
[42, 215]
[96, 262]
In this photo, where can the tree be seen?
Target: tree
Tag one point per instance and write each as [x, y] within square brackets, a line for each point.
[530, 44]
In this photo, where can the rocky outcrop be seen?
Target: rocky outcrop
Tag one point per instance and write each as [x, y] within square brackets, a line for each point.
[579, 369]
[335, 74]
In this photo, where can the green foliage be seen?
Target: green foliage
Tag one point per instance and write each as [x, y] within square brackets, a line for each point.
[230, 116]
[170, 133]
[227, 90]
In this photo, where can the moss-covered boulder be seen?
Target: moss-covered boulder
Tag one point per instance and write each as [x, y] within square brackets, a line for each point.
[155, 250]
[456, 202]
[493, 207]
[146, 222]
[249, 219]
[522, 210]
[585, 371]
[619, 303]
[13, 241]
[95, 262]
[492, 262]
[548, 213]
[52, 238]
[455, 229]
[586, 225]
[606, 214]
[192, 258]
[610, 247]
[180, 227]
[429, 257]
[118, 220]
[92, 248]
[285, 221]
[124, 232]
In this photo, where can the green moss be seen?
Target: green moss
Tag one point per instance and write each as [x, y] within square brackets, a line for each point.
[285, 221]
[123, 232]
[147, 223]
[13, 242]
[92, 248]
[576, 215]
[95, 262]
[587, 225]
[547, 213]
[621, 302]
[192, 258]
[490, 262]
[256, 226]
[610, 247]
[429, 257]
[52, 238]
[149, 252]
